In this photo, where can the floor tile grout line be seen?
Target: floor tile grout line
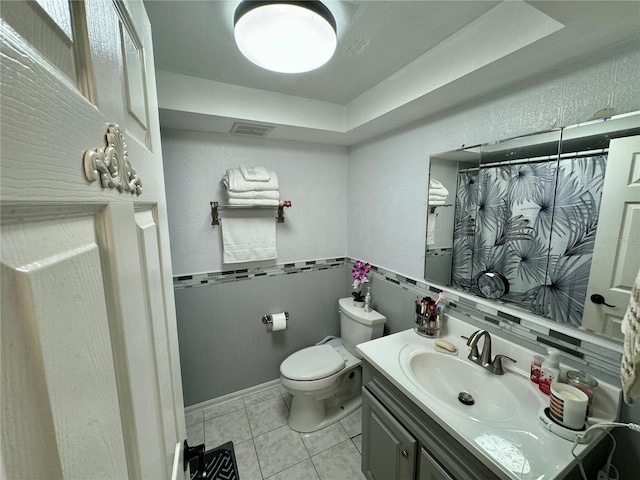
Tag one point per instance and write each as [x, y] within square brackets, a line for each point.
[304, 445]
[267, 431]
[204, 435]
[328, 448]
[202, 410]
[315, 468]
[249, 423]
[290, 466]
[354, 444]
[257, 459]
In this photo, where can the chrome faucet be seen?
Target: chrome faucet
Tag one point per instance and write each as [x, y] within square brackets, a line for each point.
[484, 359]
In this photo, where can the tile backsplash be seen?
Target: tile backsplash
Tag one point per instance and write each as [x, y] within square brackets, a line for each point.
[227, 276]
[596, 355]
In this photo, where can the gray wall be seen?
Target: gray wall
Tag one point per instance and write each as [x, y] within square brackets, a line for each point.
[224, 347]
[394, 303]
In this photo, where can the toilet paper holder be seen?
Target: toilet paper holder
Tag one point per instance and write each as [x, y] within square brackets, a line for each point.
[268, 319]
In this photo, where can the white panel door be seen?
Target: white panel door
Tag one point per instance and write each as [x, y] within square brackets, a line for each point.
[91, 383]
[616, 255]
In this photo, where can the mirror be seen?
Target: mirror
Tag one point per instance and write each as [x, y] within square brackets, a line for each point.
[523, 219]
[449, 169]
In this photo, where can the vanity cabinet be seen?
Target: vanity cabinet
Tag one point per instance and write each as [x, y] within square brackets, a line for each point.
[401, 442]
[430, 469]
[389, 450]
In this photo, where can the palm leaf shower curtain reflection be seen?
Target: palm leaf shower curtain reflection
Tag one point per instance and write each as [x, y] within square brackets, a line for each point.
[535, 223]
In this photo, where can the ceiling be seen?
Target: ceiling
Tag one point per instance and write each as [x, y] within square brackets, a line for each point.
[396, 62]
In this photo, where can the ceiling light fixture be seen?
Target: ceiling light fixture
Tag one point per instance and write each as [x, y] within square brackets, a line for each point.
[284, 36]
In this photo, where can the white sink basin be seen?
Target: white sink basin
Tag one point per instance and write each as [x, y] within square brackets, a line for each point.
[497, 398]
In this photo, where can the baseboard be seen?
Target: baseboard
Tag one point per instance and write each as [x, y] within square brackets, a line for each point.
[231, 396]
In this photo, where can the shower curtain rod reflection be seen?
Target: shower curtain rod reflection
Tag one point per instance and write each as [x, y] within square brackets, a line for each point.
[541, 159]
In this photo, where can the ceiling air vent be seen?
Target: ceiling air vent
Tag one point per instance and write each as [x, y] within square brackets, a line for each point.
[253, 129]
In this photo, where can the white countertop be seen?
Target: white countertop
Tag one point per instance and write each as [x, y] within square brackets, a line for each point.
[520, 448]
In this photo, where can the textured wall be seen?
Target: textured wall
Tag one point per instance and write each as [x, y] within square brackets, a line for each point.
[313, 177]
[388, 176]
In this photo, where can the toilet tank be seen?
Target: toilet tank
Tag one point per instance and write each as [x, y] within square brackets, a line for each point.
[358, 326]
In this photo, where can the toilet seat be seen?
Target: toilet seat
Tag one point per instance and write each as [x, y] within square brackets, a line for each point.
[312, 363]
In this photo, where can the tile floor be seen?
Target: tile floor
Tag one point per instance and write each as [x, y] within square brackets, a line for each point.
[267, 449]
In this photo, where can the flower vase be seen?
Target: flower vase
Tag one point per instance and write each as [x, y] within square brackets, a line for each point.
[358, 304]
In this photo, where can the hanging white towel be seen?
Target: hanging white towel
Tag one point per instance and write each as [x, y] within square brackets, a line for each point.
[248, 238]
[234, 181]
[431, 228]
[630, 366]
[436, 201]
[255, 174]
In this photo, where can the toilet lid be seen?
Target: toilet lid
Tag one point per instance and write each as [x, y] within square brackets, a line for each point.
[312, 363]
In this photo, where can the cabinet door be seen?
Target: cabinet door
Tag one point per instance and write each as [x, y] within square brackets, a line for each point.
[388, 449]
[430, 469]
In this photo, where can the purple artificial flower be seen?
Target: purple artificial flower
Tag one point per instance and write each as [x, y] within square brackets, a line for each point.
[359, 274]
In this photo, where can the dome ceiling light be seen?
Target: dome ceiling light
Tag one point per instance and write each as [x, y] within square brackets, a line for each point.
[285, 37]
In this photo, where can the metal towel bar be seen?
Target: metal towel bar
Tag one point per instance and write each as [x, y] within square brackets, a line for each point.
[215, 206]
[433, 209]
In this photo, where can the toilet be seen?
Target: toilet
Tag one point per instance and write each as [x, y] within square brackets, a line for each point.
[325, 381]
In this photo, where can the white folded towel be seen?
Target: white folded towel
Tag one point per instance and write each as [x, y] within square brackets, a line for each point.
[439, 192]
[269, 194]
[433, 201]
[630, 366]
[253, 201]
[235, 182]
[255, 174]
[437, 189]
[248, 238]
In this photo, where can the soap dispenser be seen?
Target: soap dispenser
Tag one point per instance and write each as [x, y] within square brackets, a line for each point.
[367, 300]
[550, 371]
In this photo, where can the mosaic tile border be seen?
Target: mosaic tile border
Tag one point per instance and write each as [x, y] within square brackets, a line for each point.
[227, 276]
[435, 252]
[596, 355]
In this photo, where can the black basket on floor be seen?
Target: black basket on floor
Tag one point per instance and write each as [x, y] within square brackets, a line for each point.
[220, 463]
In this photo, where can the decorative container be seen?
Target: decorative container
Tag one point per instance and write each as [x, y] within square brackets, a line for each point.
[428, 325]
[584, 382]
[359, 304]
